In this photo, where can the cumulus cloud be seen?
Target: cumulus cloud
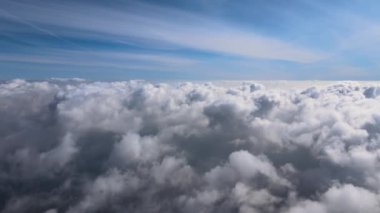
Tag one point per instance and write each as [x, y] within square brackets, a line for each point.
[77, 146]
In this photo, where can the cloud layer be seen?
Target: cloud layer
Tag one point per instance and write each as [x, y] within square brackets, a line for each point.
[76, 146]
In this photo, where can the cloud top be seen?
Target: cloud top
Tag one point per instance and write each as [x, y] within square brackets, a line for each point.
[77, 146]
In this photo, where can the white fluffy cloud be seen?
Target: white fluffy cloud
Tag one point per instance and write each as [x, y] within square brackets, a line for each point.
[76, 146]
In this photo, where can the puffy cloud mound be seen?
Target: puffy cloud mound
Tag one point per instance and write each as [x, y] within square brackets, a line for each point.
[77, 146]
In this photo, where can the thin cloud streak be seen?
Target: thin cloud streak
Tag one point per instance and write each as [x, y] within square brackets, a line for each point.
[101, 58]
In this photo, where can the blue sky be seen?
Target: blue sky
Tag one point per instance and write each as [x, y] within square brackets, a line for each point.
[194, 40]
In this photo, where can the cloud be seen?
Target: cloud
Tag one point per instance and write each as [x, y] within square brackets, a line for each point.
[153, 26]
[347, 198]
[79, 146]
[100, 58]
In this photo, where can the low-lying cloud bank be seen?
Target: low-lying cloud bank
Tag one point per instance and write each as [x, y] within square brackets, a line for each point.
[73, 146]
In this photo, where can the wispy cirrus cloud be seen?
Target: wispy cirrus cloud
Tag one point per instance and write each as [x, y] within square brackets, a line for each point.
[296, 40]
[111, 59]
[146, 24]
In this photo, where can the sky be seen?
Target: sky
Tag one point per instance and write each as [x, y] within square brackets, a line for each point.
[190, 40]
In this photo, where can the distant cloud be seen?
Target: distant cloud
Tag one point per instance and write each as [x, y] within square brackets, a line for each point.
[78, 146]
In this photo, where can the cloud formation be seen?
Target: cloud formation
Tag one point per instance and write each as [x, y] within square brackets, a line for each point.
[77, 146]
[145, 24]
